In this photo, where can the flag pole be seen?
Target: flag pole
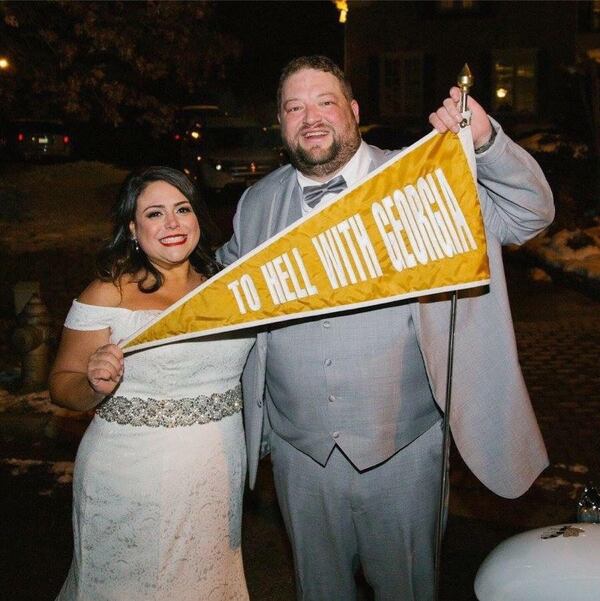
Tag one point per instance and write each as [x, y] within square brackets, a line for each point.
[464, 81]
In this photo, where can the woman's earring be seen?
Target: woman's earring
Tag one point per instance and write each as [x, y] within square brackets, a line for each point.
[135, 245]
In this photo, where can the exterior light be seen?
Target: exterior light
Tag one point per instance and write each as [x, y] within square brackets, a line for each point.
[501, 92]
[342, 6]
[4, 64]
[594, 54]
[195, 134]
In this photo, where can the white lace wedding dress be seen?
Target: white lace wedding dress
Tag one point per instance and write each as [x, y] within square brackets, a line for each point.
[157, 489]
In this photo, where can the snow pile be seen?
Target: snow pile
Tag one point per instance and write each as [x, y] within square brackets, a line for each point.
[59, 206]
[551, 143]
[573, 251]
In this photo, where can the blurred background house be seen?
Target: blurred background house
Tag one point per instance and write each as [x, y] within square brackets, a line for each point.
[534, 62]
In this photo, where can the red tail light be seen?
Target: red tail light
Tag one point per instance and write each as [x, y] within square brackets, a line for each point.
[66, 139]
[177, 137]
[20, 136]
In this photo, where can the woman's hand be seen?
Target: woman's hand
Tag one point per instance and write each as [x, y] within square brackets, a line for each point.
[105, 369]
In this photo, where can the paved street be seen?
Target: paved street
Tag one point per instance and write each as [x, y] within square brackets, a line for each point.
[558, 333]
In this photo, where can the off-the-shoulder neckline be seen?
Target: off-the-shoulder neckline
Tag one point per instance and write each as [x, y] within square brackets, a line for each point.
[75, 301]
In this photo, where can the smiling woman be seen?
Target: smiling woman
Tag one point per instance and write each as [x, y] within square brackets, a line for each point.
[158, 479]
[156, 198]
[165, 225]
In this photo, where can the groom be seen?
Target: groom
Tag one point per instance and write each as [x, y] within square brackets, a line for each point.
[350, 403]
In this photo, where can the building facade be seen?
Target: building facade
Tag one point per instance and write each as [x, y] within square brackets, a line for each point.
[532, 61]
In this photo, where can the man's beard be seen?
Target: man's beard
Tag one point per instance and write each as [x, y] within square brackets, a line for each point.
[338, 154]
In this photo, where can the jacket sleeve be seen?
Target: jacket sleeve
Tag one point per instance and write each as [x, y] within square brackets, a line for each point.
[231, 250]
[516, 199]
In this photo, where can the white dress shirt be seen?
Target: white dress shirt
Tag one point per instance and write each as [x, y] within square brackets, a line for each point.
[354, 170]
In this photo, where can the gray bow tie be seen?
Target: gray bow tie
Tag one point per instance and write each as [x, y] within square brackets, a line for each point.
[313, 194]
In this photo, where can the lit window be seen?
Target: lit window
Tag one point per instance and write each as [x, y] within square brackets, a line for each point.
[515, 81]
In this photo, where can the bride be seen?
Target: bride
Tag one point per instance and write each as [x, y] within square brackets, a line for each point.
[159, 472]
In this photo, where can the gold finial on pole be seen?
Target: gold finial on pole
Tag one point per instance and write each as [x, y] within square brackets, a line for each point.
[464, 81]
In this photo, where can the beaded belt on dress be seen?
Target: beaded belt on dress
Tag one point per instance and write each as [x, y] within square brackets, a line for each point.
[171, 413]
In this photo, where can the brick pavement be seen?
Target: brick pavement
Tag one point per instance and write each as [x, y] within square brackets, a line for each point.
[560, 362]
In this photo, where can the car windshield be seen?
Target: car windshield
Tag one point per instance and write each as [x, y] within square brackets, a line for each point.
[224, 138]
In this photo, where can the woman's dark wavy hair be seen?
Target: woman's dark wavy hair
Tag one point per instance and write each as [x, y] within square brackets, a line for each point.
[120, 256]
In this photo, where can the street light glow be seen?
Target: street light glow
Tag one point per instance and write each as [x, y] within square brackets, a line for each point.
[4, 64]
[342, 6]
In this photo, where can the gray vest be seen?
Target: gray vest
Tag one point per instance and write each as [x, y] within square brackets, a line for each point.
[354, 379]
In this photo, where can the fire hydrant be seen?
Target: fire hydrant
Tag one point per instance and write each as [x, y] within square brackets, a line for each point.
[31, 340]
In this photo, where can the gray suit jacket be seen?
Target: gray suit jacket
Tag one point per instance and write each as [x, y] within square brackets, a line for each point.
[492, 420]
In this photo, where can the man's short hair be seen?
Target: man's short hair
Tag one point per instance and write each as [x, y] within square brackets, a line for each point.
[319, 63]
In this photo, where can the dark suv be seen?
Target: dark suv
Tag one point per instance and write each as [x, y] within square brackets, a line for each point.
[220, 151]
[28, 139]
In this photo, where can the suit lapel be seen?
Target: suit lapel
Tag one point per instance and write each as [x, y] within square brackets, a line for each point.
[285, 206]
[285, 209]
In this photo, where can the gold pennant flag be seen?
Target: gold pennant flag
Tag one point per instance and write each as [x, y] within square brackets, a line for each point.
[412, 227]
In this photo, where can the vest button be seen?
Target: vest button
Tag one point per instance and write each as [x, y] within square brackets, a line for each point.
[326, 324]
[328, 362]
[331, 398]
[336, 435]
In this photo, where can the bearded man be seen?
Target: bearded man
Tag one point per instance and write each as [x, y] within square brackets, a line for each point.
[349, 404]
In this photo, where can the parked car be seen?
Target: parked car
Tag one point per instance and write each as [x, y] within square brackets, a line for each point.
[27, 139]
[221, 152]
[194, 115]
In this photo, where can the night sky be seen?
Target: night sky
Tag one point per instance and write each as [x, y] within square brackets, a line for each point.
[272, 33]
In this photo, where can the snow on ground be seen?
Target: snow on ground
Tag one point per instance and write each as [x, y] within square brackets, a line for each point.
[61, 470]
[57, 205]
[552, 142]
[575, 251]
[571, 251]
[50, 474]
[34, 402]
